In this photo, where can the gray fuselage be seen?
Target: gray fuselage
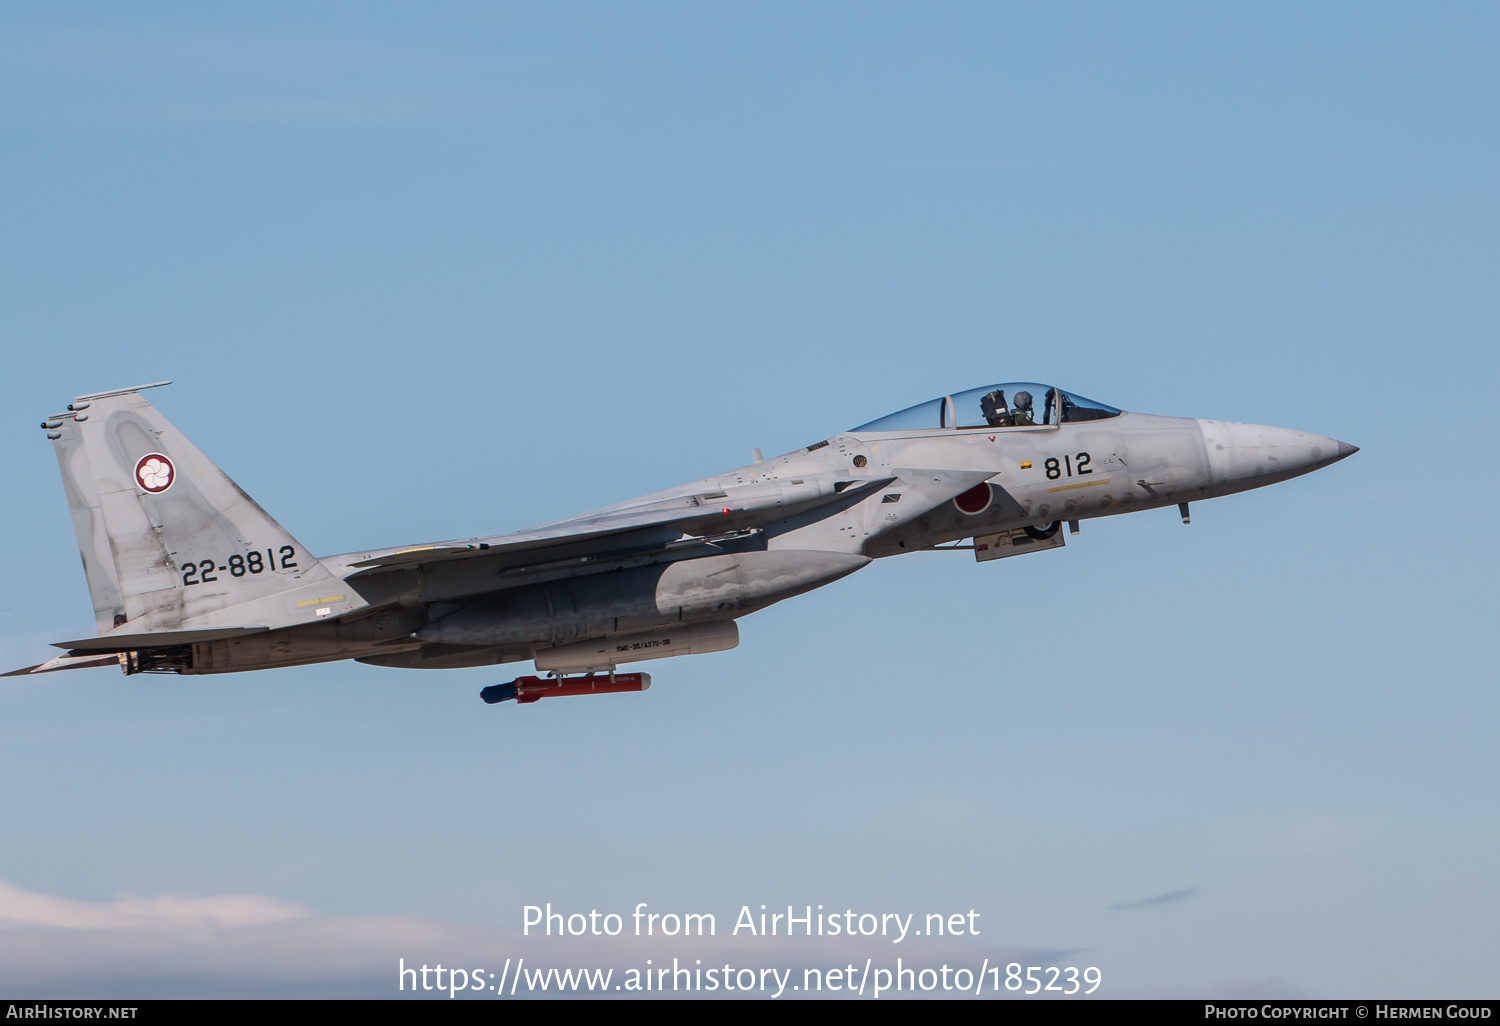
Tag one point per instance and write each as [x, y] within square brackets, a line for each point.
[189, 575]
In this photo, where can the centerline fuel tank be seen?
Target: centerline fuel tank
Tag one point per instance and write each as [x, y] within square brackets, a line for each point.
[711, 588]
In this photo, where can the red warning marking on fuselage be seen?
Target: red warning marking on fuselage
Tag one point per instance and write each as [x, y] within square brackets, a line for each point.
[975, 500]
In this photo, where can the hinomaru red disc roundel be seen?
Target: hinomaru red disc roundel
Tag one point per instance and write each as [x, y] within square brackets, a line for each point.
[975, 500]
[154, 472]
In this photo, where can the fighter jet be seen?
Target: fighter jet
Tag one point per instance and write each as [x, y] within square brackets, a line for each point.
[189, 575]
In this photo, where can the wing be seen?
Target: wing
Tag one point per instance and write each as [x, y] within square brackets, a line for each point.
[699, 516]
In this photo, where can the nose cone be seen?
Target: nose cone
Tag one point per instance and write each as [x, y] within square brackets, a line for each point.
[1242, 456]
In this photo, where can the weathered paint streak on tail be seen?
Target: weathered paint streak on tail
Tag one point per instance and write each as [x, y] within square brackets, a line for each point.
[88, 524]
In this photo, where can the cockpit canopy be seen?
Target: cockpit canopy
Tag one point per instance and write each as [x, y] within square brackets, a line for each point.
[1007, 405]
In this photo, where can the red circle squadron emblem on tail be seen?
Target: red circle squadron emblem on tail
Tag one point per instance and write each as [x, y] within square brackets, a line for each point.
[154, 472]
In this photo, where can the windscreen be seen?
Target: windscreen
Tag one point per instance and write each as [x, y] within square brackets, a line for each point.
[1076, 408]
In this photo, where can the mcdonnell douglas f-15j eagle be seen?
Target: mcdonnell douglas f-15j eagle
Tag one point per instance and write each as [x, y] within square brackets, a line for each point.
[189, 575]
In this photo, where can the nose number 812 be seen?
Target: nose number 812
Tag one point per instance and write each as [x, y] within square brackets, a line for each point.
[1078, 465]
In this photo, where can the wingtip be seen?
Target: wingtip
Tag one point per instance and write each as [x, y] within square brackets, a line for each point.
[118, 391]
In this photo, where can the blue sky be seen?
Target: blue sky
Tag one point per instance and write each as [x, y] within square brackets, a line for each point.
[425, 271]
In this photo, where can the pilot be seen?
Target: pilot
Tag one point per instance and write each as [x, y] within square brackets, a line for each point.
[1022, 412]
[993, 408]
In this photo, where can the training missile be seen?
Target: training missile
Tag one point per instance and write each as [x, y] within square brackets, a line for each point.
[533, 689]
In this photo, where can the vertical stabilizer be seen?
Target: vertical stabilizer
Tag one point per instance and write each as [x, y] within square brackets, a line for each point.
[166, 536]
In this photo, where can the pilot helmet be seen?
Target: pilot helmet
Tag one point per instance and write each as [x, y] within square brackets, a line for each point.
[1023, 400]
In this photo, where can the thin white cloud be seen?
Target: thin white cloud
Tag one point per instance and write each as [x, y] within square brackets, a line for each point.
[26, 908]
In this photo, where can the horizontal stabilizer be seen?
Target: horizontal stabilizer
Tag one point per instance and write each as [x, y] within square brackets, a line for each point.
[159, 639]
[66, 662]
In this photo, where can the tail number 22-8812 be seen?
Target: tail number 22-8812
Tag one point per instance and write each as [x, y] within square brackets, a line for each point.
[203, 572]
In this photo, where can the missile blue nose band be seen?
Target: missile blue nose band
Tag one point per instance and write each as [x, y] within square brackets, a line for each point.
[499, 693]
